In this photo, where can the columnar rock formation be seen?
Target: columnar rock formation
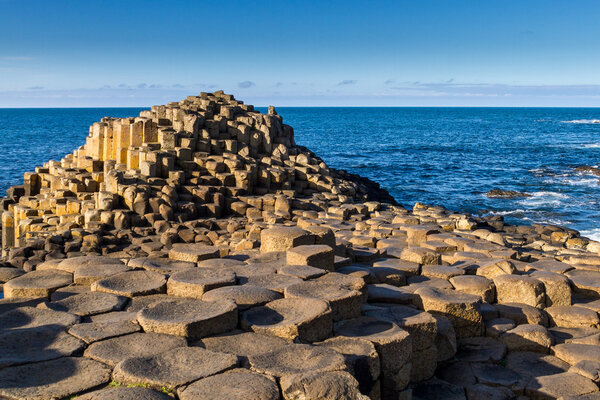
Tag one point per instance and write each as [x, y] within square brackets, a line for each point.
[205, 156]
[197, 252]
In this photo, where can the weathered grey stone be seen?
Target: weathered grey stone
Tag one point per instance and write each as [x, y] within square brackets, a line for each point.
[36, 284]
[423, 364]
[301, 271]
[557, 288]
[361, 358]
[321, 386]
[497, 326]
[574, 352]
[88, 303]
[572, 317]
[125, 393]
[71, 264]
[276, 282]
[190, 318]
[29, 317]
[522, 289]
[54, 379]
[477, 285]
[495, 375]
[237, 384]
[485, 392]
[495, 267]
[112, 351]
[193, 252]
[283, 238]
[392, 343]
[527, 338]
[90, 273]
[242, 344]
[37, 344]
[445, 339]
[384, 293]
[304, 319]
[161, 265]
[522, 313]
[197, 281]
[316, 255]
[345, 303]
[438, 390]
[584, 282]
[398, 266]
[535, 364]
[94, 331]
[132, 283]
[297, 359]
[480, 349]
[461, 309]
[559, 385]
[244, 297]
[173, 368]
[588, 369]
[8, 273]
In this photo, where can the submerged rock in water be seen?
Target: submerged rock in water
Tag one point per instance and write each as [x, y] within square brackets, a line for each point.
[588, 169]
[507, 194]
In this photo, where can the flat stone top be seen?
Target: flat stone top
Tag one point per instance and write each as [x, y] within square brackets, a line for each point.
[297, 358]
[38, 344]
[220, 263]
[244, 296]
[183, 310]
[447, 296]
[174, 367]
[7, 273]
[286, 311]
[70, 264]
[370, 328]
[54, 379]
[192, 252]
[579, 277]
[470, 281]
[112, 351]
[132, 283]
[162, 265]
[276, 282]
[237, 384]
[203, 276]
[319, 290]
[243, 343]
[125, 393]
[89, 303]
[44, 279]
[30, 317]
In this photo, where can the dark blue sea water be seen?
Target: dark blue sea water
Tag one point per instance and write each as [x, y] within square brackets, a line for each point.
[446, 156]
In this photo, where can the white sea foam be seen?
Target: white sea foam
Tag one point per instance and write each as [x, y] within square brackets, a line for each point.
[592, 145]
[544, 199]
[593, 234]
[582, 121]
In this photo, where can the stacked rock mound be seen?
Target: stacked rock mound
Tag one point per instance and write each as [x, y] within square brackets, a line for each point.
[326, 298]
[207, 156]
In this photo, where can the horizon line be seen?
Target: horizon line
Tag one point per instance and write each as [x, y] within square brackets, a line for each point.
[303, 106]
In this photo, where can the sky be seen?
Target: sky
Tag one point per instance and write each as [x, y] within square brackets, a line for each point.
[92, 53]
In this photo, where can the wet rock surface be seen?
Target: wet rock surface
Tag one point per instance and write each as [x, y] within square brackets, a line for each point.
[197, 252]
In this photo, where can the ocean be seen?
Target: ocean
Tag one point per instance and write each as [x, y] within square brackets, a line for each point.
[445, 156]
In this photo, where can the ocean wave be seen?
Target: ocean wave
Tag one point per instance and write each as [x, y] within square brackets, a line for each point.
[544, 199]
[592, 146]
[582, 121]
[593, 234]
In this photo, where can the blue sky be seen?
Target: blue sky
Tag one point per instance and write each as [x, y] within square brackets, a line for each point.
[326, 53]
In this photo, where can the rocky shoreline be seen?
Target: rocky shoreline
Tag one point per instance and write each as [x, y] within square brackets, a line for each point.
[196, 251]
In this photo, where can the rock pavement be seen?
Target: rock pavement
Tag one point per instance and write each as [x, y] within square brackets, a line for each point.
[196, 251]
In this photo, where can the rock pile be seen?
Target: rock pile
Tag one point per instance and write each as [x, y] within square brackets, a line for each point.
[197, 252]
